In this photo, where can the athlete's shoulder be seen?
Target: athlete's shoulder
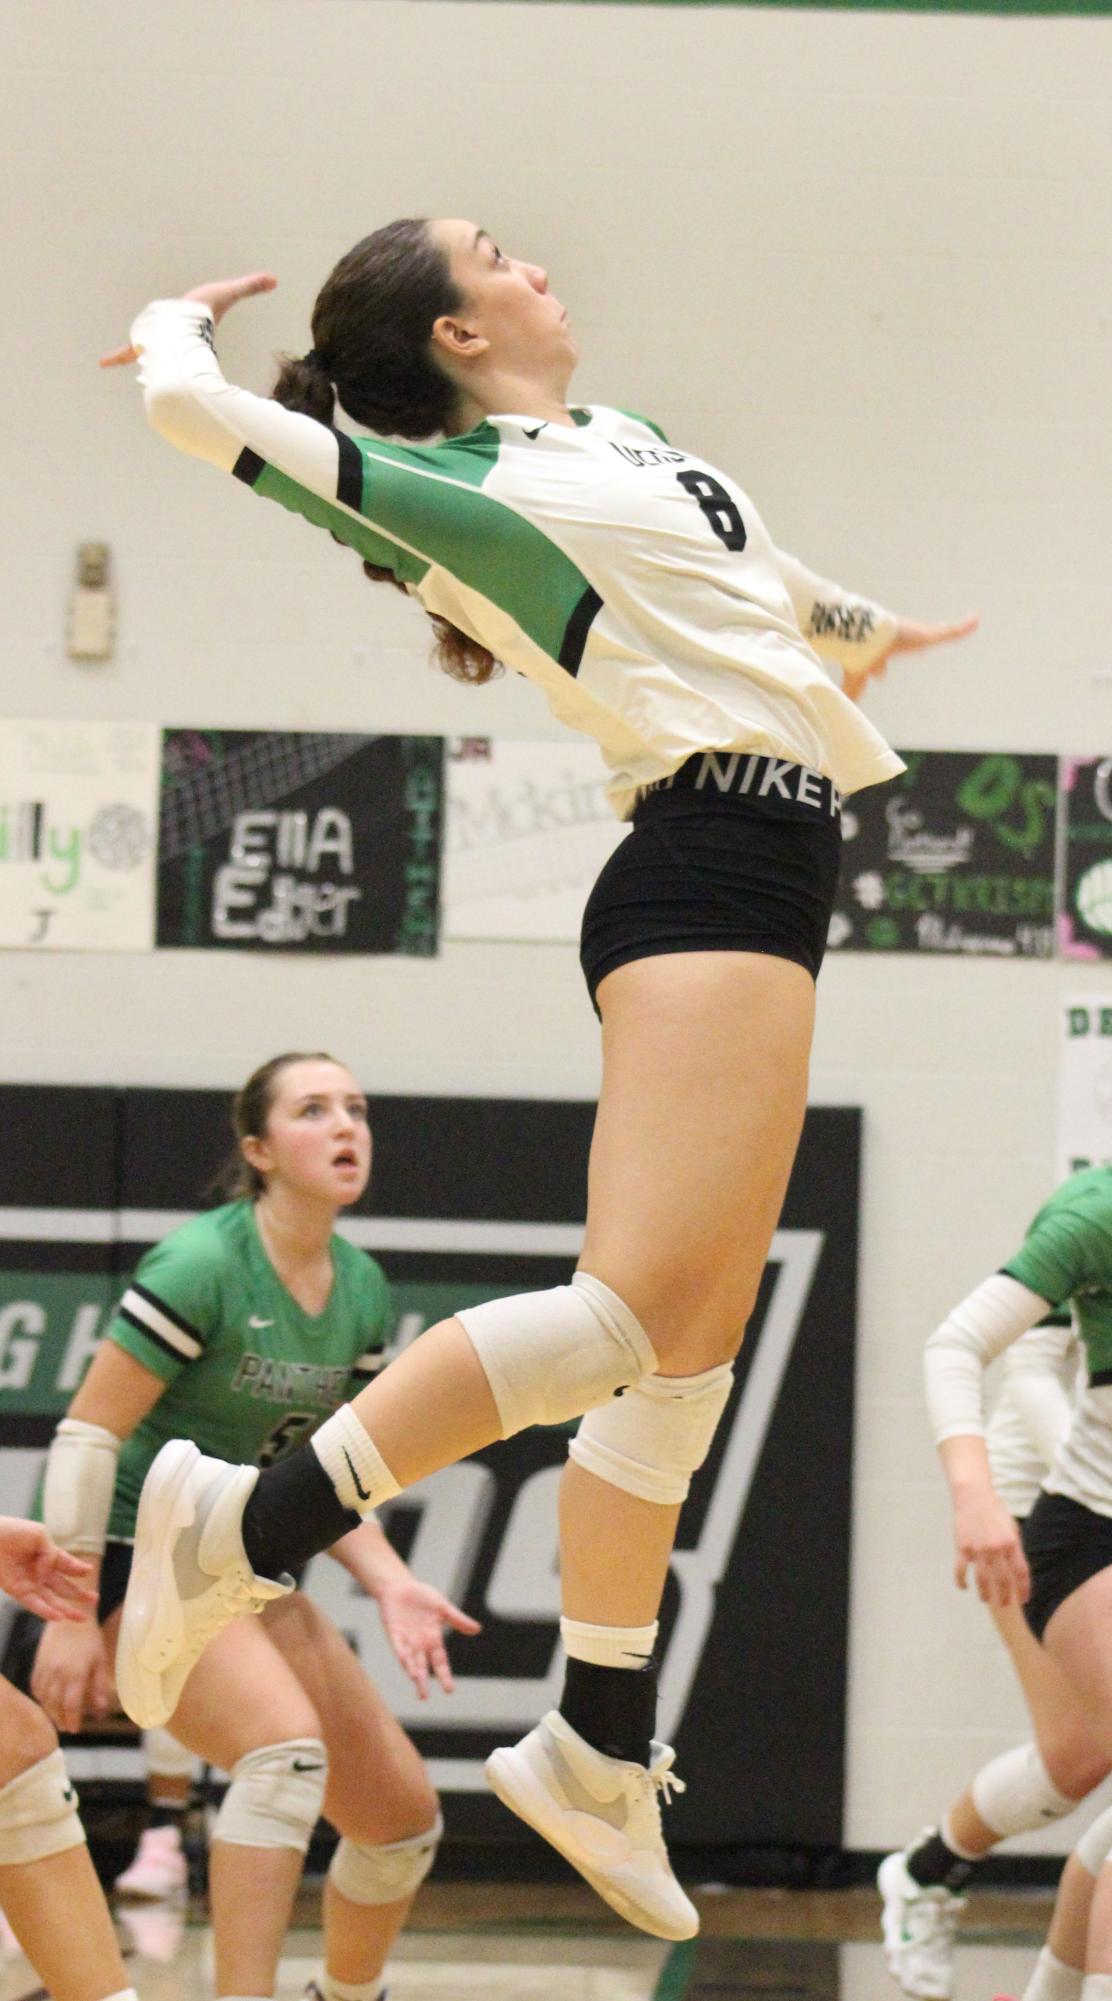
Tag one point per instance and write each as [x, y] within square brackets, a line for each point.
[1085, 1196]
[458, 458]
[633, 417]
[206, 1242]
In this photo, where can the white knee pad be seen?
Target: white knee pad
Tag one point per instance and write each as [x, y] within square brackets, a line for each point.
[164, 1755]
[651, 1440]
[38, 1813]
[549, 1356]
[1015, 1793]
[274, 1800]
[1095, 1846]
[385, 1874]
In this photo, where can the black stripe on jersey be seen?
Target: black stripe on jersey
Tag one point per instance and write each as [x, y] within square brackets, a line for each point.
[248, 466]
[368, 1365]
[169, 1312]
[148, 1333]
[577, 628]
[349, 476]
[1100, 1378]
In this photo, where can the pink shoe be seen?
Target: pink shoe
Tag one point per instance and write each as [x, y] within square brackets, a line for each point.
[159, 1869]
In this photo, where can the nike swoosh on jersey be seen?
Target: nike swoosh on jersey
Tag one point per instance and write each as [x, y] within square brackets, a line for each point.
[537, 432]
[256, 1322]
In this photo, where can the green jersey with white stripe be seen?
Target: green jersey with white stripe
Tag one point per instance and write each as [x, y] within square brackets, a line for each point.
[248, 1373]
[633, 582]
[1067, 1258]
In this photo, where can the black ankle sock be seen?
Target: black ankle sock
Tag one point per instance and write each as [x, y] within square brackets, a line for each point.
[292, 1515]
[932, 1863]
[162, 1814]
[612, 1708]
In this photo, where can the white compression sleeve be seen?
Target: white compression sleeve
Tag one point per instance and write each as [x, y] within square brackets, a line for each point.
[189, 403]
[1034, 1374]
[957, 1354]
[79, 1484]
[840, 625]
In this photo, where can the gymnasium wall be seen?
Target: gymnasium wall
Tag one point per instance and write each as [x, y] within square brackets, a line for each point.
[858, 258]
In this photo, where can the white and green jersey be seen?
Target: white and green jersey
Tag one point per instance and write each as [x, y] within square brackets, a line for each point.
[1067, 1258]
[248, 1373]
[633, 582]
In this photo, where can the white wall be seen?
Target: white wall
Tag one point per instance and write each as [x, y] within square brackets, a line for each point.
[861, 260]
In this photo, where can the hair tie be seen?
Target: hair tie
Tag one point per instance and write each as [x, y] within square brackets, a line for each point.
[315, 359]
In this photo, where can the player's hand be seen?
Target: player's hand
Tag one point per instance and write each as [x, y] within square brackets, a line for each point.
[414, 1616]
[910, 636]
[71, 1677]
[987, 1541]
[48, 1580]
[221, 295]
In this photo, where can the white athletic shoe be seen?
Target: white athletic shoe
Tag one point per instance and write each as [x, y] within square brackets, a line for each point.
[159, 1868]
[603, 1816]
[189, 1576]
[919, 1923]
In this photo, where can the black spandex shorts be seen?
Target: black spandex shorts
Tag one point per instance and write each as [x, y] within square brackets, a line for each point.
[1065, 1544]
[733, 853]
[115, 1569]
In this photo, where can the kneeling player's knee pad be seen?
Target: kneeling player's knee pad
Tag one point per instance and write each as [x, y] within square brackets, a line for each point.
[38, 1813]
[386, 1874]
[549, 1356]
[1015, 1793]
[653, 1438]
[1095, 1846]
[275, 1797]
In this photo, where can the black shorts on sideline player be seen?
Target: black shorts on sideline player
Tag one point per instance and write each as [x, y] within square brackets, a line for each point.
[1065, 1544]
[734, 853]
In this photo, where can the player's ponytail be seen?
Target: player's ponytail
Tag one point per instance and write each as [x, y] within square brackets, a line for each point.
[372, 334]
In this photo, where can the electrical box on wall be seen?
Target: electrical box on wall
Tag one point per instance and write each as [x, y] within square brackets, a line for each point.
[91, 630]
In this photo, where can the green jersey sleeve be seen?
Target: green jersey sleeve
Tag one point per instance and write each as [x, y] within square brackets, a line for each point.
[1056, 1259]
[377, 1314]
[172, 1306]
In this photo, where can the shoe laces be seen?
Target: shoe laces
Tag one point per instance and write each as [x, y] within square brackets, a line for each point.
[660, 1779]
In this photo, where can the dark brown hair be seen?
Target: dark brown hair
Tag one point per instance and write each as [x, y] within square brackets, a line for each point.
[251, 1109]
[372, 334]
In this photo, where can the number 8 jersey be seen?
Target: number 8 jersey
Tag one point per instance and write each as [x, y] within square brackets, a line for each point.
[636, 585]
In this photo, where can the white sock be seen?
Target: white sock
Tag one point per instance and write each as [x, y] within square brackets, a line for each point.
[123, 1994]
[1053, 1980]
[1097, 1987]
[349, 1990]
[609, 1646]
[353, 1462]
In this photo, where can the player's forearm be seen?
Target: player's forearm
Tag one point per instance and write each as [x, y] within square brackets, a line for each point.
[368, 1557]
[189, 403]
[966, 1466]
[842, 626]
[959, 1351]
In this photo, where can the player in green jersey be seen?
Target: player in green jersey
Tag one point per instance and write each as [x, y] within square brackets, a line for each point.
[49, 1892]
[1058, 1564]
[637, 586]
[246, 1328]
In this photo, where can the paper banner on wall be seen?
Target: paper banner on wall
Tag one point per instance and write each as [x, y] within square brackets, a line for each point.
[1085, 901]
[1085, 1083]
[954, 857]
[300, 841]
[78, 804]
[529, 828]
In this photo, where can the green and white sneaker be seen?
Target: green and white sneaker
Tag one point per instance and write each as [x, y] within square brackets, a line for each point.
[603, 1816]
[189, 1576]
[919, 1921]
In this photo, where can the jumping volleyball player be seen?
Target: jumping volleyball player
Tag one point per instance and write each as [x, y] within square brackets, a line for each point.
[1060, 1569]
[49, 1891]
[245, 1328]
[638, 587]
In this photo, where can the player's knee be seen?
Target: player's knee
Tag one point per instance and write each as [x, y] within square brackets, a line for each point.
[1015, 1793]
[26, 1732]
[550, 1356]
[384, 1872]
[275, 1797]
[1074, 1764]
[38, 1812]
[653, 1438]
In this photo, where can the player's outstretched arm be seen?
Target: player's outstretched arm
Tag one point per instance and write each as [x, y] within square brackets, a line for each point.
[220, 296]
